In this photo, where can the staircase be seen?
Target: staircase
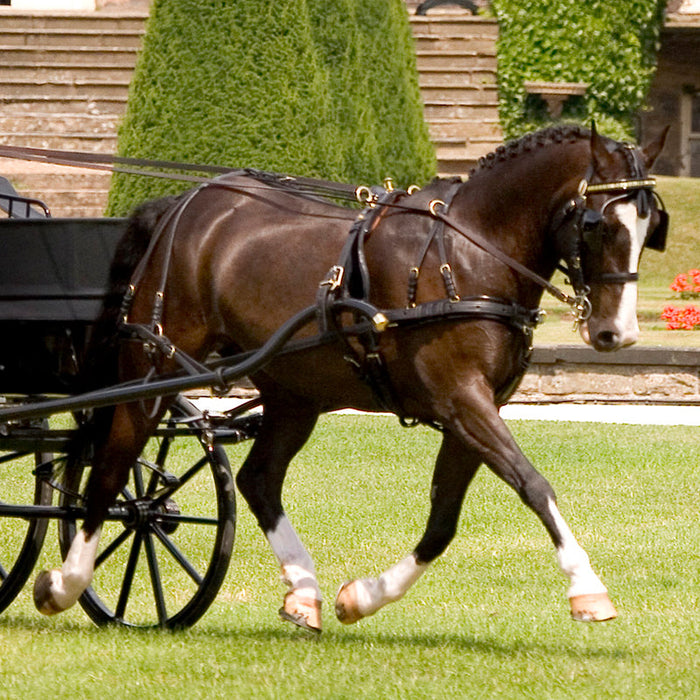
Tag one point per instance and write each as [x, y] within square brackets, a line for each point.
[64, 81]
[456, 58]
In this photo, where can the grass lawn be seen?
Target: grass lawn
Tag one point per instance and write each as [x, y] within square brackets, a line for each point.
[488, 620]
[657, 271]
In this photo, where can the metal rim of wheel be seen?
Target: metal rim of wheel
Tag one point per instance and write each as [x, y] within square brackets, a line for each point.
[163, 564]
[17, 567]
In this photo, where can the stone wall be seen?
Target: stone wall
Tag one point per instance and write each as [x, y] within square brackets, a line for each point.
[639, 375]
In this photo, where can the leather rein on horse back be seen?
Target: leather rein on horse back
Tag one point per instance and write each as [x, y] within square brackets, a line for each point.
[304, 186]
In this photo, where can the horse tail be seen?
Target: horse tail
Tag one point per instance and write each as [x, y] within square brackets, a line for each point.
[100, 363]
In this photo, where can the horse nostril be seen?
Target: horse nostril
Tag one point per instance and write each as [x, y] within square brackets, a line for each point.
[607, 340]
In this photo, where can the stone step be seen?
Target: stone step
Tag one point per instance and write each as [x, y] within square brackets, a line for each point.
[457, 77]
[447, 109]
[444, 91]
[434, 60]
[453, 25]
[57, 123]
[459, 44]
[55, 71]
[465, 130]
[92, 142]
[87, 88]
[70, 37]
[103, 21]
[60, 55]
[67, 191]
[30, 103]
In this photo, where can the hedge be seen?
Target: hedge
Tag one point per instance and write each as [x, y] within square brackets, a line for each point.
[296, 86]
[610, 44]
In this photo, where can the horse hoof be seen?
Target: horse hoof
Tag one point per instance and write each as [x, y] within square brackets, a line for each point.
[303, 611]
[595, 607]
[43, 597]
[346, 606]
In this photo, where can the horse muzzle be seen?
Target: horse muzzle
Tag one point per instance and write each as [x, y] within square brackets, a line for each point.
[606, 337]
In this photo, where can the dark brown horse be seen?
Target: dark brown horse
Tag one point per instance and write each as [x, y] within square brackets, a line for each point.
[458, 271]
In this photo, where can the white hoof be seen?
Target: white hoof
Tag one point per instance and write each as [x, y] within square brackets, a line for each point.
[303, 611]
[593, 607]
[44, 586]
[347, 608]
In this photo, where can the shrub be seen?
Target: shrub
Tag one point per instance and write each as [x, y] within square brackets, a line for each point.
[294, 86]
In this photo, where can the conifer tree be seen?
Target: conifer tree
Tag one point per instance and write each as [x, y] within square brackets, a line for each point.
[326, 89]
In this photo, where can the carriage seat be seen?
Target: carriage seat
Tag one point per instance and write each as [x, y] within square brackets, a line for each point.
[16, 206]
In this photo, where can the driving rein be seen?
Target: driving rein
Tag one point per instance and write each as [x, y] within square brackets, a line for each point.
[578, 230]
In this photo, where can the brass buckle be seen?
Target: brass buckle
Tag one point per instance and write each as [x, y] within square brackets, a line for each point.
[334, 278]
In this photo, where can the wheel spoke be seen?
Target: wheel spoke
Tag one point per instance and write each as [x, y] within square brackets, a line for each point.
[128, 576]
[183, 480]
[179, 557]
[112, 546]
[156, 582]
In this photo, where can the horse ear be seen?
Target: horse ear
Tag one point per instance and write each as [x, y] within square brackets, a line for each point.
[602, 159]
[650, 152]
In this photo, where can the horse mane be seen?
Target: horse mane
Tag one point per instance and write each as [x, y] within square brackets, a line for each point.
[560, 133]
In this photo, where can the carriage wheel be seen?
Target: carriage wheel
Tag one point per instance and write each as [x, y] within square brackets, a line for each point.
[21, 538]
[163, 564]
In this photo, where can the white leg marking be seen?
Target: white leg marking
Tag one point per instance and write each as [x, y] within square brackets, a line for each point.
[374, 593]
[68, 584]
[573, 560]
[298, 569]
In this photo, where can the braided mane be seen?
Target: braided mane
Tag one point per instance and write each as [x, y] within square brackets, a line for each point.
[530, 142]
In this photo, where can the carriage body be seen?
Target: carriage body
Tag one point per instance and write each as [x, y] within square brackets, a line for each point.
[53, 279]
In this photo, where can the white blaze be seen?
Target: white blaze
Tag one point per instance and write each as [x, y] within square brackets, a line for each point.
[637, 228]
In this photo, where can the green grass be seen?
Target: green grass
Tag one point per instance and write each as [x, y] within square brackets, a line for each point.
[488, 620]
[657, 271]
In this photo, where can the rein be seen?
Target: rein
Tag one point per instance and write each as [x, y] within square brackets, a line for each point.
[370, 197]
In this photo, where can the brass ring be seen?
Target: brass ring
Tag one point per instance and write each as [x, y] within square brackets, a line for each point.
[364, 195]
[433, 205]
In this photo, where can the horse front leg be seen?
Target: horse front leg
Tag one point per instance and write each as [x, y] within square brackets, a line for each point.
[486, 431]
[454, 469]
[285, 428]
[477, 434]
[57, 590]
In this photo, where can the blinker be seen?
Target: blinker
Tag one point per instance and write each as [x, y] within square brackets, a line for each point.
[592, 229]
[657, 238]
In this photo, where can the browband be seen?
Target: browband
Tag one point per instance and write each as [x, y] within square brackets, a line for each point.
[586, 188]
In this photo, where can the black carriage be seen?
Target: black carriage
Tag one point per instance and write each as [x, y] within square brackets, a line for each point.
[170, 536]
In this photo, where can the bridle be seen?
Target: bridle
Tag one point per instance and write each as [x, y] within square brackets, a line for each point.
[579, 230]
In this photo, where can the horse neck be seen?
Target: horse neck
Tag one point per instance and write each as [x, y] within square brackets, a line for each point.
[512, 203]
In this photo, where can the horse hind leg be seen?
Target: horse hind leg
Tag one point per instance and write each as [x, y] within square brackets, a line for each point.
[285, 427]
[57, 590]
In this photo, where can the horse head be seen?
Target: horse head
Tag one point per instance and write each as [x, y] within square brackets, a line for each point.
[602, 234]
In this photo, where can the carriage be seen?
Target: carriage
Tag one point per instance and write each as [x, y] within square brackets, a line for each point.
[418, 303]
[54, 275]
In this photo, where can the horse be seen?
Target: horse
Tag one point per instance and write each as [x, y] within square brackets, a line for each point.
[455, 273]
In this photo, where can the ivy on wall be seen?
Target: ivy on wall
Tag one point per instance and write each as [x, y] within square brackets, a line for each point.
[609, 44]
